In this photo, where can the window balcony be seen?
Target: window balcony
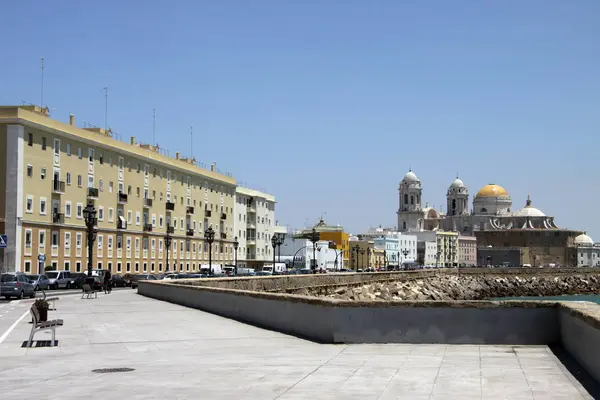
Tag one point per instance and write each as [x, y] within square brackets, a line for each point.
[58, 218]
[92, 193]
[58, 187]
[223, 235]
[223, 216]
[189, 232]
[147, 203]
[147, 227]
[121, 222]
[170, 206]
[251, 241]
[251, 208]
[207, 213]
[189, 210]
[121, 198]
[170, 229]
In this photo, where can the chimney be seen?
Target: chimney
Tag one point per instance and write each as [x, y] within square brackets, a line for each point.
[177, 156]
[133, 140]
[71, 120]
[212, 167]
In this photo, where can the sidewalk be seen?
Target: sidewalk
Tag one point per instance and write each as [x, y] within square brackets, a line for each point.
[182, 353]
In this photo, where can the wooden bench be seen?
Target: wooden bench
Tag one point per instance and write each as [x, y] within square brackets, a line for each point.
[42, 325]
[89, 291]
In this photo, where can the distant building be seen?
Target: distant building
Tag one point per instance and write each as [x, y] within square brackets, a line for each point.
[330, 233]
[588, 253]
[467, 251]
[446, 246]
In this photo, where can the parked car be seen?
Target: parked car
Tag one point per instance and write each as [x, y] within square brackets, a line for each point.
[141, 277]
[128, 279]
[118, 281]
[16, 285]
[39, 282]
[78, 279]
[59, 279]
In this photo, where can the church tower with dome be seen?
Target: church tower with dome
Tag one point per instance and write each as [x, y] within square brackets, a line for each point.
[410, 212]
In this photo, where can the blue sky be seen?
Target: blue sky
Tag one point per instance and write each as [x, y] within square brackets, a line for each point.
[326, 104]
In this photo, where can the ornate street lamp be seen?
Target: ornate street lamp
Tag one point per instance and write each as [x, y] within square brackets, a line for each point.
[89, 215]
[333, 245]
[356, 249]
[235, 247]
[209, 236]
[385, 260]
[280, 240]
[398, 260]
[368, 258]
[314, 238]
[405, 253]
[168, 240]
[274, 244]
[362, 253]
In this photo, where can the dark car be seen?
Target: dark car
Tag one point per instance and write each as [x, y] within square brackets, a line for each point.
[119, 281]
[141, 277]
[78, 279]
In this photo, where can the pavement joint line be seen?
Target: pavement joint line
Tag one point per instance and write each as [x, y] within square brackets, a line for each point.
[13, 326]
[438, 373]
[307, 375]
[388, 382]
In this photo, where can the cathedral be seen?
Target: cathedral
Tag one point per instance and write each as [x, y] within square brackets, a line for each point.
[492, 210]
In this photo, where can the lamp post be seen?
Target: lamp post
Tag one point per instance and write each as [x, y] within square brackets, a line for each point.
[274, 244]
[235, 247]
[405, 253]
[314, 238]
[385, 261]
[280, 240]
[356, 249]
[209, 236]
[368, 258]
[333, 245]
[168, 240]
[89, 214]
[398, 260]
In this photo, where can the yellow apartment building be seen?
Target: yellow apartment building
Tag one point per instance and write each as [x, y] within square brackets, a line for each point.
[51, 170]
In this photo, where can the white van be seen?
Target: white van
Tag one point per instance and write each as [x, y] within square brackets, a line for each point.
[59, 279]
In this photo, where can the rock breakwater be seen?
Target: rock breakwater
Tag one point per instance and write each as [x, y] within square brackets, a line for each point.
[466, 287]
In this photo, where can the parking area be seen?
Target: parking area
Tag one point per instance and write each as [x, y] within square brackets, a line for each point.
[181, 353]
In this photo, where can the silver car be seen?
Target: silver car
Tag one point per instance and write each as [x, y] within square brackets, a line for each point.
[16, 285]
[40, 282]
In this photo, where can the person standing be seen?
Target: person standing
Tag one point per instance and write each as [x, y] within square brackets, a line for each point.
[107, 282]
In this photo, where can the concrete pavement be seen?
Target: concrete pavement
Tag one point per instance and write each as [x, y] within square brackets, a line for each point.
[182, 353]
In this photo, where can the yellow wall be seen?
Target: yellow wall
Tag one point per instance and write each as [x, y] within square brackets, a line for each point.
[341, 240]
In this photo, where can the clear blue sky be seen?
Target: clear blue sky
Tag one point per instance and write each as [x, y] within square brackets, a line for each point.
[325, 104]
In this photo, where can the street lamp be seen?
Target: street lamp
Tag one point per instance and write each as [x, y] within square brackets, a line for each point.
[314, 238]
[168, 240]
[274, 244]
[89, 215]
[405, 253]
[209, 236]
[280, 240]
[333, 245]
[356, 249]
[368, 258]
[362, 253]
[398, 260]
[235, 247]
[385, 260]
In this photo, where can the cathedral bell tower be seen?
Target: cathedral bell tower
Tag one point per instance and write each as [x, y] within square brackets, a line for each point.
[410, 212]
[458, 198]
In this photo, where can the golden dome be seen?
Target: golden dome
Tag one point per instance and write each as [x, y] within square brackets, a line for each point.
[492, 190]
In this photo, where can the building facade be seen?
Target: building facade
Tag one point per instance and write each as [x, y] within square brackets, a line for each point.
[588, 253]
[52, 170]
[467, 251]
[254, 226]
[446, 246]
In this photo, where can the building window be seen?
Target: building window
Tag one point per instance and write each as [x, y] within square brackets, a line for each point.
[42, 239]
[145, 267]
[111, 213]
[43, 173]
[67, 265]
[128, 266]
[78, 238]
[43, 206]
[109, 266]
[29, 204]
[110, 187]
[100, 242]
[100, 213]
[29, 171]
[68, 209]
[27, 266]
[30, 139]
[43, 143]
[78, 266]
[68, 148]
[137, 217]
[79, 211]
[119, 266]
[80, 153]
[68, 178]
[129, 216]
[137, 267]
[79, 180]
[101, 185]
[54, 239]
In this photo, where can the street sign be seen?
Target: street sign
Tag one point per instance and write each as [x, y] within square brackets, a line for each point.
[3, 241]
[41, 257]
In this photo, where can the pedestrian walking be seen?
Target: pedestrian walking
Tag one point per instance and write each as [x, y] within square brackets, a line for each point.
[107, 282]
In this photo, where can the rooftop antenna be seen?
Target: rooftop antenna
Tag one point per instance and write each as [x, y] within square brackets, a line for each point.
[191, 139]
[42, 88]
[105, 108]
[154, 126]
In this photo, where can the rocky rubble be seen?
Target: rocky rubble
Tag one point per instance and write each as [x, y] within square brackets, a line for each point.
[467, 287]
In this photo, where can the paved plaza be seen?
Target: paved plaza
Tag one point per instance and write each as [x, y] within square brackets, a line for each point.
[182, 353]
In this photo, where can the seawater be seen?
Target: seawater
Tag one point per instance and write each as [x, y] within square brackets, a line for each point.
[587, 297]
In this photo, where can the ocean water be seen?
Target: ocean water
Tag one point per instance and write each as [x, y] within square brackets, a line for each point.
[587, 297]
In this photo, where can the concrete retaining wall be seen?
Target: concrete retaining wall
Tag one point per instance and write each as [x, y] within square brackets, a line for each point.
[580, 334]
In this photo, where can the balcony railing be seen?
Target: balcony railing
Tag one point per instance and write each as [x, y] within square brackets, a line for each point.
[121, 223]
[92, 193]
[189, 232]
[58, 218]
[223, 235]
[170, 206]
[189, 210]
[251, 208]
[170, 229]
[223, 216]
[58, 187]
[147, 203]
[147, 227]
[207, 213]
[121, 198]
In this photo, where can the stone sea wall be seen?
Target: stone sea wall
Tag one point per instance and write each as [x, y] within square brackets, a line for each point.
[464, 287]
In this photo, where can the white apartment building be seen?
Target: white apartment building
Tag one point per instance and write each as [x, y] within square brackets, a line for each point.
[254, 225]
[446, 246]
